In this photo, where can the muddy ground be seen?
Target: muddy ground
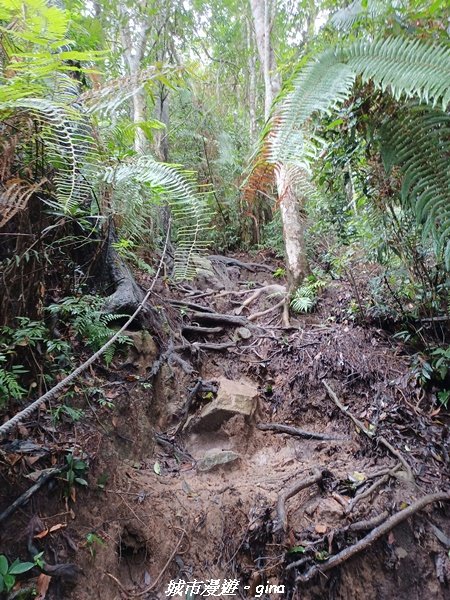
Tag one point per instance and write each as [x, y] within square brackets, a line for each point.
[151, 515]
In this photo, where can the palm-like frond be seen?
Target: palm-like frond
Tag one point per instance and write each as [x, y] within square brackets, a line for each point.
[70, 147]
[14, 196]
[418, 141]
[177, 188]
[345, 18]
[320, 86]
[404, 67]
[410, 68]
[109, 96]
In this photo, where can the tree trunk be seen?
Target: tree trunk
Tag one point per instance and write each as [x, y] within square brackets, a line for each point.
[139, 115]
[162, 114]
[291, 211]
[251, 84]
[134, 53]
[127, 294]
[293, 228]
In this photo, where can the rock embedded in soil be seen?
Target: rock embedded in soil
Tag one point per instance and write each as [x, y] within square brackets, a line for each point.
[233, 398]
[244, 333]
[214, 460]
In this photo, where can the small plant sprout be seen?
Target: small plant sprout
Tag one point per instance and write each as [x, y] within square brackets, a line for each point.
[92, 542]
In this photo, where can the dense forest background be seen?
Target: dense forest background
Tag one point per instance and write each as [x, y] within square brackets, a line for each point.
[316, 130]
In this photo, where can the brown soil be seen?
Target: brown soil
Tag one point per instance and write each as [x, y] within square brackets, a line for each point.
[155, 496]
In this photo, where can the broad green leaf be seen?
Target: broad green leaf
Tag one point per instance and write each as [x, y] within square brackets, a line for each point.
[9, 580]
[20, 567]
[3, 565]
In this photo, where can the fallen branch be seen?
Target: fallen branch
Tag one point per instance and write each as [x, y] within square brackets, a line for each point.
[21, 500]
[309, 435]
[372, 537]
[370, 434]
[294, 489]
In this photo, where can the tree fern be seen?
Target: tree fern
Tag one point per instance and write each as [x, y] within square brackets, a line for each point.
[419, 141]
[404, 67]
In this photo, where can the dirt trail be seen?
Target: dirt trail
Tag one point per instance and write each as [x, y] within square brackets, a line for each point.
[167, 514]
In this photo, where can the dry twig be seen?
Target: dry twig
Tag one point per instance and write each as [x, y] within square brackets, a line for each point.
[310, 435]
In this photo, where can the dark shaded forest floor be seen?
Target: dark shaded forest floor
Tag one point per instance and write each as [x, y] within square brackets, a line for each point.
[176, 498]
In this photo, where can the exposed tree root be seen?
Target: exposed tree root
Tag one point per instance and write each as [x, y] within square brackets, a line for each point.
[309, 435]
[66, 571]
[372, 537]
[191, 306]
[256, 315]
[370, 434]
[200, 386]
[21, 500]
[274, 289]
[192, 329]
[220, 319]
[294, 489]
[384, 479]
[234, 262]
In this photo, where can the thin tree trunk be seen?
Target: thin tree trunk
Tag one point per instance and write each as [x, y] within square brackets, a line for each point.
[134, 54]
[291, 210]
[293, 227]
[162, 114]
[251, 84]
[139, 115]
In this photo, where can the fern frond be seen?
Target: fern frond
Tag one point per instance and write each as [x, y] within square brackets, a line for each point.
[175, 187]
[345, 18]
[321, 86]
[410, 68]
[418, 141]
[108, 97]
[404, 67]
[14, 196]
[71, 149]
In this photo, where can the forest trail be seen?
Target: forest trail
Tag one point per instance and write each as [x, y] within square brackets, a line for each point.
[197, 490]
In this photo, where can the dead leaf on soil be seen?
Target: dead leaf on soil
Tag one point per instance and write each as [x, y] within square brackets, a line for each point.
[357, 477]
[52, 529]
[321, 528]
[42, 586]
